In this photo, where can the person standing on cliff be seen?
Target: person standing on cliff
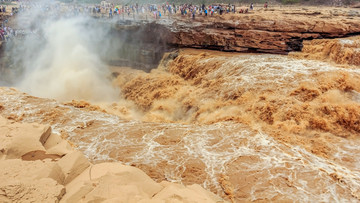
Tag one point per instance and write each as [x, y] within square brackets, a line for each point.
[266, 5]
[252, 6]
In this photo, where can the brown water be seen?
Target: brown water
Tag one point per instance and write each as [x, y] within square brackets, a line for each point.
[249, 127]
[341, 51]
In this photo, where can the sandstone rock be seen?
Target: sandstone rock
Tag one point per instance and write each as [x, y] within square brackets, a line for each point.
[3, 121]
[111, 181]
[54, 139]
[53, 171]
[180, 193]
[61, 149]
[55, 144]
[123, 188]
[30, 170]
[43, 190]
[40, 176]
[39, 155]
[128, 174]
[26, 181]
[72, 165]
[278, 31]
[77, 191]
[17, 139]
[201, 191]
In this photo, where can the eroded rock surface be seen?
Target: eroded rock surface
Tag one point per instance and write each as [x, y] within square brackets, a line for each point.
[278, 30]
[71, 178]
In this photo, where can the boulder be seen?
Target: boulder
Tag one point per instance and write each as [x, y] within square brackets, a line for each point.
[43, 190]
[17, 169]
[17, 139]
[127, 175]
[61, 149]
[51, 171]
[30, 181]
[114, 181]
[72, 165]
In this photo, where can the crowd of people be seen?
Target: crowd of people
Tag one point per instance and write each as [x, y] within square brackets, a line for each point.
[129, 10]
[193, 10]
[2, 9]
[6, 33]
[158, 11]
[135, 10]
[184, 9]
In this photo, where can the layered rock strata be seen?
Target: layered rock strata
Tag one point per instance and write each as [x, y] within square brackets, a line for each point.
[278, 30]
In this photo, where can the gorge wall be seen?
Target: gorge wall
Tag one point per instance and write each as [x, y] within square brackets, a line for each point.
[141, 43]
[265, 31]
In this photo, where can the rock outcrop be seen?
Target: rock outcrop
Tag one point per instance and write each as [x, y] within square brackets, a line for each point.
[279, 30]
[38, 166]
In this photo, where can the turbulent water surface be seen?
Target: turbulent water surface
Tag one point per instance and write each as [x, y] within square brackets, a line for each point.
[247, 126]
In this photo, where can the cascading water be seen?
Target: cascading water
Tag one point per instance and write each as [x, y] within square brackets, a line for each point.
[249, 127]
[239, 123]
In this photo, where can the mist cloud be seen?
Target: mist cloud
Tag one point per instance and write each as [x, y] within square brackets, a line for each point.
[60, 60]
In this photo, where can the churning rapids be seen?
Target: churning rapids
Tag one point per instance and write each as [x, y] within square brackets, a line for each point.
[249, 127]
